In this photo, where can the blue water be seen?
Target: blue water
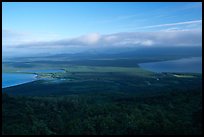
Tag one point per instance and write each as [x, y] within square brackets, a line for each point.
[45, 71]
[13, 79]
[185, 65]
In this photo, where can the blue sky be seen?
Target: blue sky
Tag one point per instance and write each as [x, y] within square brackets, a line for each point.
[75, 19]
[31, 22]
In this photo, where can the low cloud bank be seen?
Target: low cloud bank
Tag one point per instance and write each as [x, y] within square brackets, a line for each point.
[15, 43]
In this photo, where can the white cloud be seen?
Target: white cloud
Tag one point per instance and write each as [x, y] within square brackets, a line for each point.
[110, 38]
[174, 24]
[194, 24]
[14, 38]
[92, 38]
[147, 42]
[173, 37]
[134, 42]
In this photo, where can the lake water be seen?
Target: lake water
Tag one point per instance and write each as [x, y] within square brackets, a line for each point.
[13, 79]
[185, 65]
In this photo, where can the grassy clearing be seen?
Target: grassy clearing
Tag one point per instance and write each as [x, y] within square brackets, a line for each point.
[183, 76]
[126, 70]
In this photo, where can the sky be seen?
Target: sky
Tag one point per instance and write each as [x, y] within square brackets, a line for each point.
[72, 27]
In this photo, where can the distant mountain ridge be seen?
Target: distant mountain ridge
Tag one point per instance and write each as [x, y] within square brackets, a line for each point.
[117, 53]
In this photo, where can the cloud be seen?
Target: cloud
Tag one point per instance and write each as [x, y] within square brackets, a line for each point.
[110, 38]
[11, 37]
[147, 42]
[174, 24]
[15, 38]
[92, 38]
[172, 37]
[133, 42]
[194, 24]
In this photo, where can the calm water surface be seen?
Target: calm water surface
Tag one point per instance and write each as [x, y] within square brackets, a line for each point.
[185, 65]
[13, 79]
